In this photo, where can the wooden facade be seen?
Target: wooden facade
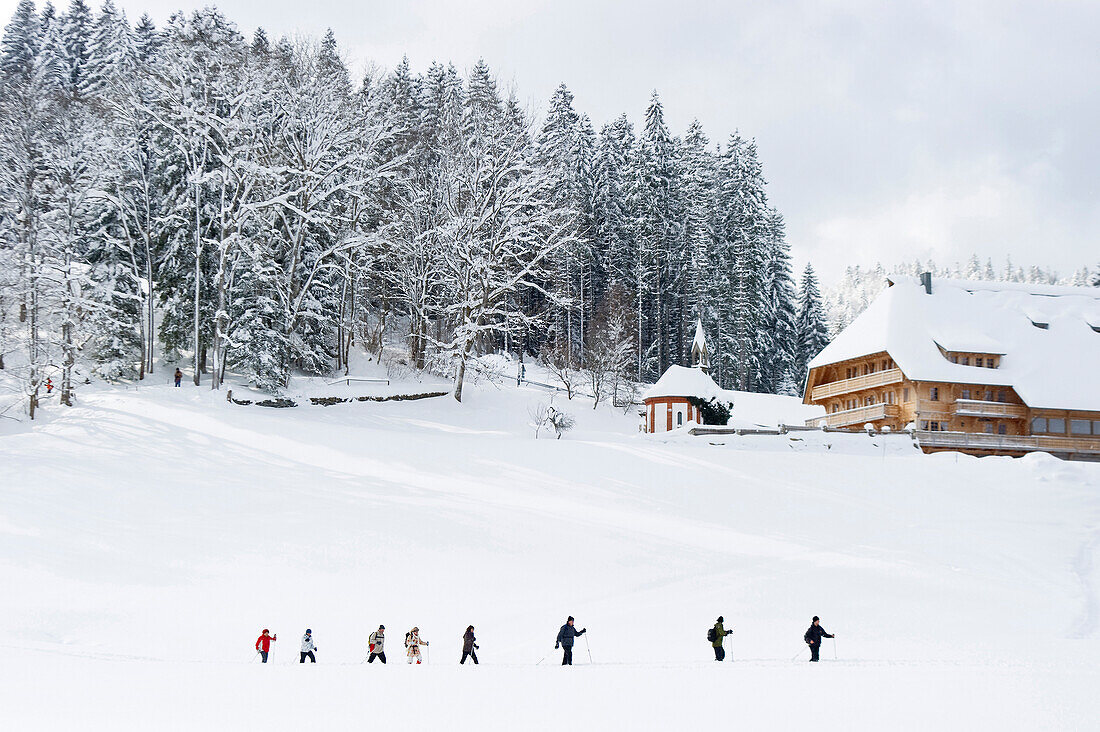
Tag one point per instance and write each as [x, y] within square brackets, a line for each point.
[872, 390]
[666, 413]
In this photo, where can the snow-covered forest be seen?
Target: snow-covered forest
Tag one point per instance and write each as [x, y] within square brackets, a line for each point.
[851, 295]
[186, 194]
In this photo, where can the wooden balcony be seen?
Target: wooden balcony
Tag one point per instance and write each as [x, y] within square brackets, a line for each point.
[979, 408]
[858, 416]
[867, 381]
[1082, 447]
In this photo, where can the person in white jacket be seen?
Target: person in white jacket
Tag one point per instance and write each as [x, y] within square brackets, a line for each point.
[308, 648]
[412, 645]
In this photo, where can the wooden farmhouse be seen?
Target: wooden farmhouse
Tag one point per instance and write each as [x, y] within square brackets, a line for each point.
[669, 403]
[978, 367]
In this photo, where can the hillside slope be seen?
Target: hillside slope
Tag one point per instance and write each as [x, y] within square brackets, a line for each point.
[148, 534]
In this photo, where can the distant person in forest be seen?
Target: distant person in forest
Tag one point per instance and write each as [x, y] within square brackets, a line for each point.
[263, 644]
[412, 645]
[178, 377]
[308, 648]
[469, 646]
[49, 385]
[377, 643]
[715, 636]
[813, 637]
[566, 635]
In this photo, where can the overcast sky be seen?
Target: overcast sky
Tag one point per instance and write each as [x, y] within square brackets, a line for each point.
[888, 131]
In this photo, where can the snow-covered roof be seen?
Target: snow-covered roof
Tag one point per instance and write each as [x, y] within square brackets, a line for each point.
[680, 381]
[1050, 367]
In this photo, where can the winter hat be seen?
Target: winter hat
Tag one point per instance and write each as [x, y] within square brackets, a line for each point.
[816, 619]
[721, 619]
[308, 631]
[381, 627]
[266, 630]
[570, 618]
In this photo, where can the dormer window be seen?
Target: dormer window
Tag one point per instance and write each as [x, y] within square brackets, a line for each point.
[966, 360]
[978, 362]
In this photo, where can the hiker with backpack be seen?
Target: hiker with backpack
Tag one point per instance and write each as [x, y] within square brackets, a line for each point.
[813, 637]
[565, 639]
[412, 645]
[377, 643]
[469, 646]
[263, 644]
[715, 636]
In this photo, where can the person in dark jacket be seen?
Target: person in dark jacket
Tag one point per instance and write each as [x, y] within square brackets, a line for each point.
[565, 639]
[178, 376]
[719, 634]
[469, 645]
[813, 637]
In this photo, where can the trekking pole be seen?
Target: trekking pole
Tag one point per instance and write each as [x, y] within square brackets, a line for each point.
[834, 649]
[588, 648]
[795, 656]
[540, 660]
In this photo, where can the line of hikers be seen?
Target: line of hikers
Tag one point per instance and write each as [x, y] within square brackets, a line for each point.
[566, 636]
[812, 637]
[377, 644]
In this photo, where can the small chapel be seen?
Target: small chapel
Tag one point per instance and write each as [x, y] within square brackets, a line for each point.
[671, 403]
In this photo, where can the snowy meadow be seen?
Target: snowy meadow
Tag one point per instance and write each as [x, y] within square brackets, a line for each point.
[149, 533]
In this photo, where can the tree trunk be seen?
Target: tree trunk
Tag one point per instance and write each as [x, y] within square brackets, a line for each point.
[68, 359]
[150, 327]
[198, 366]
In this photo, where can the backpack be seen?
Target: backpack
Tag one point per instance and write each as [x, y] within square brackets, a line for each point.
[712, 635]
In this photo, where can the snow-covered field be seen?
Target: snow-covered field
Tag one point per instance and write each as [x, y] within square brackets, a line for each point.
[149, 533]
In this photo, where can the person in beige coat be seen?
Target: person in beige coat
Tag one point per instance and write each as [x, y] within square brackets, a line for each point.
[412, 645]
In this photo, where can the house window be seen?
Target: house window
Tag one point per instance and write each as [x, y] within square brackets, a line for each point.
[1002, 429]
[1038, 425]
[964, 394]
[924, 425]
[679, 419]
[905, 394]
[990, 364]
[989, 395]
[954, 359]
[884, 365]
[934, 394]
[1000, 396]
[978, 362]
[966, 360]
[934, 426]
[1079, 427]
[989, 428]
[1056, 426]
[1096, 427]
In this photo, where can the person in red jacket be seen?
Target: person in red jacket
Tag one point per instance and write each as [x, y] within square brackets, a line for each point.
[263, 644]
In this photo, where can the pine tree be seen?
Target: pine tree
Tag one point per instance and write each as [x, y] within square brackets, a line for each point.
[657, 230]
[20, 45]
[811, 330]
